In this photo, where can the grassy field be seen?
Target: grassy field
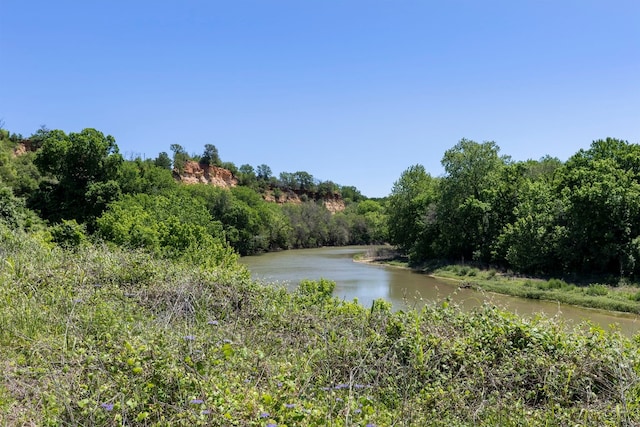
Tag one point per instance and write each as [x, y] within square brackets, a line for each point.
[104, 336]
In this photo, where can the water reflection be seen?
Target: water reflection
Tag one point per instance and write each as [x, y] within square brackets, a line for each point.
[407, 289]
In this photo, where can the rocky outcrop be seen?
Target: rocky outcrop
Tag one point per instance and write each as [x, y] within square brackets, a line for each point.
[25, 146]
[196, 173]
[334, 203]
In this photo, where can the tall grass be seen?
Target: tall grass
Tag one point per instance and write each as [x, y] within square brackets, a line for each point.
[103, 336]
[594, 295]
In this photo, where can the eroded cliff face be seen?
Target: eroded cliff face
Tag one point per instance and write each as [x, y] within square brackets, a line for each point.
[23, 147]
[332, 203]
[196, 173]
[335, 204]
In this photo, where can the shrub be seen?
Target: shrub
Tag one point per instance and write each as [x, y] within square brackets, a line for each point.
[596, 290]
[69, 234]
[557, 284]
[316, 291]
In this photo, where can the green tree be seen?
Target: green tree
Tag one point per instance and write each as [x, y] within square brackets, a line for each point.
[309, 224]
[144, 176]
[85, 166]
[532, 242]
[279, 228]
[36, 140]
[601, 187]
[304, 181]
[351, 194]
[163, 161]
[160, 223]
[180, 157]
[411, 220]
[465, 211]
[328, 189]
[264, 173]
[544, 169]
[287, 180]
[210, 156]
[247, 176]
[13, 211]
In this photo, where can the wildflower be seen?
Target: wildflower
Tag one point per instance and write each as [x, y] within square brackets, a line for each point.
[279, 384]
[370, 425]
[189, 338]
[358, 411]
[359, 386]
[338, 399]
[77, 300]
[212, 322]
[264, 415]
[107, 406]
[196, 401]
[206, 412]
[227, 341]
[272, 425]
[290, 405]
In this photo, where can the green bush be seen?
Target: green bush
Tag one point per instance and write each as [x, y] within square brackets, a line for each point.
[316, 291]
[552, 284]
[69, 234]
[596, 290]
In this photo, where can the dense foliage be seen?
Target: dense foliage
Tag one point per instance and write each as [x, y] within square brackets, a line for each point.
[99, 335]
[536, 217]
[123, 302]
[139, 204]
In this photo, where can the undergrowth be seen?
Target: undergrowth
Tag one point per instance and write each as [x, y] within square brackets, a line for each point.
[104, 336]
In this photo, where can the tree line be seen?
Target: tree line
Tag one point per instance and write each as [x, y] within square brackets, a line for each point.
[542, 217]
[79, 182]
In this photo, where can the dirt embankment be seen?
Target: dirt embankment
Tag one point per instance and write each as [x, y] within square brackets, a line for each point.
[333, 203]
[196, 173]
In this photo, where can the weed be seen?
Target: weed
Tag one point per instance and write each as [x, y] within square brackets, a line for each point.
[104, 336]
[596, 290]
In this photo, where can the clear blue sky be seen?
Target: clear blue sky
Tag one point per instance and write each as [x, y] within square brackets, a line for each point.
[349, 91]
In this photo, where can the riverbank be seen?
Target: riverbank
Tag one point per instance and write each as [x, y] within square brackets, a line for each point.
[595, 295]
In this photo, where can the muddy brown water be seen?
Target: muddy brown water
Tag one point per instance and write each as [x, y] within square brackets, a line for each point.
[407, 289]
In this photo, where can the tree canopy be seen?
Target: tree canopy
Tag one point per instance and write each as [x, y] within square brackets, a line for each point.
[85, 168]
[542, 217]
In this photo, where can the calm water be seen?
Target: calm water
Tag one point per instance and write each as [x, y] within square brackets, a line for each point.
[404, 288]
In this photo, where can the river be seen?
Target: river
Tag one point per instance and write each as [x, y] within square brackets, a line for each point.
[407, 289]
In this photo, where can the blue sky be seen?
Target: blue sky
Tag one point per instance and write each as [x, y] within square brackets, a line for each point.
[349, 91]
